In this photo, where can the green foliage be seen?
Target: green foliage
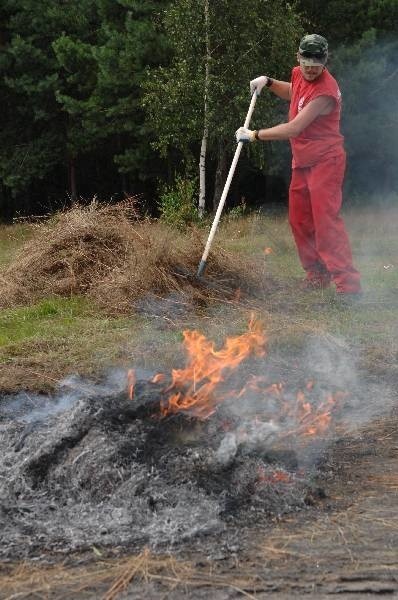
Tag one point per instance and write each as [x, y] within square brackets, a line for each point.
[344, 21]
[245, 41]
[34, 136]
[237, 212]
[177, 203]
[117, 88]
[101, 91]
[71, 87]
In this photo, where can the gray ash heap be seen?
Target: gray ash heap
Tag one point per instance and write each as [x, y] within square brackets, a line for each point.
[102, 469]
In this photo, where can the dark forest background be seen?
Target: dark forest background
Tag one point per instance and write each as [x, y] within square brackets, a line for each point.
[112, 98]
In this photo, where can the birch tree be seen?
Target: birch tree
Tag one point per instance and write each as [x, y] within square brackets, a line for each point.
[203, 147]
[196, 103]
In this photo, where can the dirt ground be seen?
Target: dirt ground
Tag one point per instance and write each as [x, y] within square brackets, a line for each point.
[345, 545]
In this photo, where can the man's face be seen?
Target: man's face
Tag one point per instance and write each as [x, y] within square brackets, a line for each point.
[310, 72]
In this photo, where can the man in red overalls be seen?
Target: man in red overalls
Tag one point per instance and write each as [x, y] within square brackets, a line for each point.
[315, 193]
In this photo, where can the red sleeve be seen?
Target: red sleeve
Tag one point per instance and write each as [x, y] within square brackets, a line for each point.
[328, 88]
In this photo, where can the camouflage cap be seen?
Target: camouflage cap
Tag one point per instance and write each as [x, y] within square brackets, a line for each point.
[313, 50]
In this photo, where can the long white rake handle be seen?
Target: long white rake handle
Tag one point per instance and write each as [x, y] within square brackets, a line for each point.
[202, 264]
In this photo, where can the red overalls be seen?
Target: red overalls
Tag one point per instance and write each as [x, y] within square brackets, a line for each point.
[315, 193]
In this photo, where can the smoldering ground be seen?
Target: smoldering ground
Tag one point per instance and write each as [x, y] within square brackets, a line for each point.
[91, 467]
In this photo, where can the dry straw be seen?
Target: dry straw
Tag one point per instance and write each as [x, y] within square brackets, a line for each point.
[111, 256]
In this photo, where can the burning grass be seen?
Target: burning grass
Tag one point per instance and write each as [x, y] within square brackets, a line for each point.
[107, 254]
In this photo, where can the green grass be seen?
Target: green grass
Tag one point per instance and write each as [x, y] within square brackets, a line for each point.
[41, 343]
[49, 318]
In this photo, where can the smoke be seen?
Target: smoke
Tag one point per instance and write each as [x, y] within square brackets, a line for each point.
[327, 366]
[368, 76]
[253, 437]
[34, 408]
[90, 470]
[28, 408]
[334, 363]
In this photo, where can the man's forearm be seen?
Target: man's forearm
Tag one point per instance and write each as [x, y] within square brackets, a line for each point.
[280, 88]
[284, 131]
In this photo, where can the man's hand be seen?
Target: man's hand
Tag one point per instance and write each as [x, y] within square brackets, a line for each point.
[245, 135]
[256, 85]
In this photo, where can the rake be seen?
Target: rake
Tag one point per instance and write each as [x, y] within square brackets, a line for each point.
[203, 262]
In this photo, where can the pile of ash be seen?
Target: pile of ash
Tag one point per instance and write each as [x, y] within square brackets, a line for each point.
[101, 470]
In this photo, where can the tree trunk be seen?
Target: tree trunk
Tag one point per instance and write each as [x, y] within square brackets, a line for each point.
[203, 148]
[72, 180]
[221, 174]
[202, 173]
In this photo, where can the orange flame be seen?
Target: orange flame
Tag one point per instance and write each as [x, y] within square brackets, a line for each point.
[196, 389]
[277, 476]
[199, 388]
[311, 420]
[131, 381]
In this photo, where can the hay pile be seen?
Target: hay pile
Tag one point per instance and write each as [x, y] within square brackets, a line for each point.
[107, 254]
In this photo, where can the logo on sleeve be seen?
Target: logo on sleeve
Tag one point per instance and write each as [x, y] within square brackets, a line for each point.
[300, 103]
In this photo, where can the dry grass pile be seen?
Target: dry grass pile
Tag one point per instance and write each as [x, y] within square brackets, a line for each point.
[106, 253]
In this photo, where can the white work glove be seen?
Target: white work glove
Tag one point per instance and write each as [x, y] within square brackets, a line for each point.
[243, 134]
[258, 84]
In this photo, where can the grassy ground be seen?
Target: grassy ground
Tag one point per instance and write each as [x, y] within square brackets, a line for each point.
[56, 336]
[372, 323]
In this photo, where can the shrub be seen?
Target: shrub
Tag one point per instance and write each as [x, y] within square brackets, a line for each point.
[177, 203]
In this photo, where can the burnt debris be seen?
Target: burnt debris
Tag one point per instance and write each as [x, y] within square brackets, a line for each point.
[104, 470]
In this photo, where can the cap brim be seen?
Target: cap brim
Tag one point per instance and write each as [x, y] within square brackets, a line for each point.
[309, 61]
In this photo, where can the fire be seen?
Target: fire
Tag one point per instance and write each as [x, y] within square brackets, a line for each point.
[197, 388]
[131, 381]
[309, 419]
[273, 476]
[268, 250]
[200, 387]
